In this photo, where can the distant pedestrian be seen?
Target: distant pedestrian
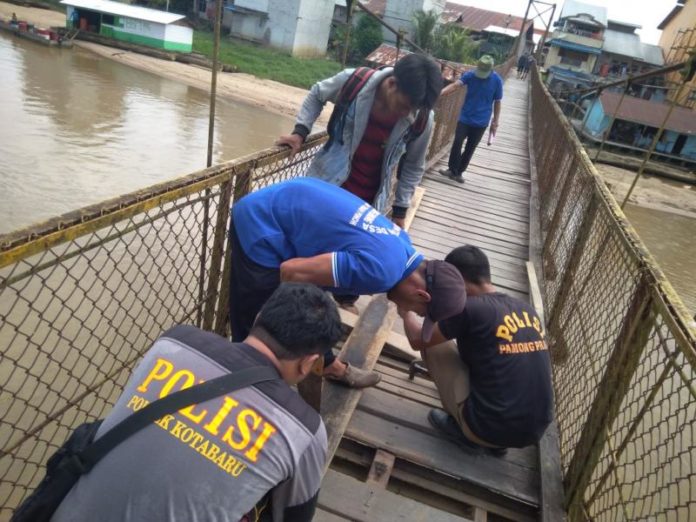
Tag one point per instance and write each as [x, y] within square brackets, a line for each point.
[484, 90]
[521, 65]
[530, 63]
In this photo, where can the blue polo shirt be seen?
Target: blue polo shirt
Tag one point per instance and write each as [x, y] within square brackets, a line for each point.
[480, 95]
[305, 217]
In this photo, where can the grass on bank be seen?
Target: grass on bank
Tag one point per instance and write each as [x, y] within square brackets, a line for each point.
[266, 63]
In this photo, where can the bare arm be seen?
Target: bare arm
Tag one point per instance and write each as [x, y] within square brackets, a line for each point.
[413, 328]
[496, 115]
[451, 87]
[317, 270]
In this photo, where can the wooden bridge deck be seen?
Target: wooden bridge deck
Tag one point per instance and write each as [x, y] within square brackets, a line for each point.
[391, 464]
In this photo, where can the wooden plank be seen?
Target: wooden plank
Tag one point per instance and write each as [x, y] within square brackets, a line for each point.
[429, 481]
[361, 349]
[535, 291]
[381, 469]
[490, 473]
[310, 388]
[398, 391]
[407, 413]
[361, 502]
[321, 515]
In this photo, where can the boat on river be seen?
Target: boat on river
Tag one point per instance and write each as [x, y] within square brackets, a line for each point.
[40, 35]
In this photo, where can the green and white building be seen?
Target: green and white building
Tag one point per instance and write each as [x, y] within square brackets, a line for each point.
[128, 23]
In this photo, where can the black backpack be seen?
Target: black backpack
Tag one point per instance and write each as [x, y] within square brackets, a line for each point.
[80, 452]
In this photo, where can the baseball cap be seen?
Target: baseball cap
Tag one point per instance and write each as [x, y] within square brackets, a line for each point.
[484, 67]
[445, 285]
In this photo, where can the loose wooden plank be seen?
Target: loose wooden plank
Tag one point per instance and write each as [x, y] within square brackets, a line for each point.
[361, 349]
[361, 502]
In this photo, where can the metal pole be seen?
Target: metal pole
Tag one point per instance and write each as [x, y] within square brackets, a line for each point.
[612, 120]
[349, 26]
[653, 145]
[519, 37]
[546, 33]
[209, 159]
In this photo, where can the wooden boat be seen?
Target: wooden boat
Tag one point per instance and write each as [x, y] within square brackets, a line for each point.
[36, 34]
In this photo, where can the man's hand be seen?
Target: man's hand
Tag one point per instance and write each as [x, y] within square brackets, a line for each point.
[494, 126]
[294, 141]
[399, 221]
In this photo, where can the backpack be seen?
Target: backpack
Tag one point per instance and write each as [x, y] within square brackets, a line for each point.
[349, 92]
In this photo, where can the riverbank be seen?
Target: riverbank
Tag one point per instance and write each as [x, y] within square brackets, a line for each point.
[266, 94]
[651, 192]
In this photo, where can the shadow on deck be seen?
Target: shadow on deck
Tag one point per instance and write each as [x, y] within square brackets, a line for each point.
[391, 464]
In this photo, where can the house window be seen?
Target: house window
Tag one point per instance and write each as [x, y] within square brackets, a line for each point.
[573, 58]
[108, 19]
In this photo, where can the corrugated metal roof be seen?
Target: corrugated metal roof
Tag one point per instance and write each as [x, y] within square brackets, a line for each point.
[572, 8]
[385, 54]
[646, 112]
[510, 32]
[130, 11]
[630, 45]
[476, 19]
[376, 6]
[565, 44]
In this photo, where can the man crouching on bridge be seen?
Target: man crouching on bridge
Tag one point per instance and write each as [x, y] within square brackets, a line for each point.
[257, 450]
[495, 384]
[310, 231]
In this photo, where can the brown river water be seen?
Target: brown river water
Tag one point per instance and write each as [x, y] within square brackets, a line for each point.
[76, 128]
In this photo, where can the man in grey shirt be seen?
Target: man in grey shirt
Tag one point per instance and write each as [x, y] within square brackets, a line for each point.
[258, 452]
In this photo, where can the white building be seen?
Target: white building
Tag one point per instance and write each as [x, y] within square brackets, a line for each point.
[300, 27]
[399, 14]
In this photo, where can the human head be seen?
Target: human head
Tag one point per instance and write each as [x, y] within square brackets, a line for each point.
[484, 67]
[415, 84]
[435, 290]
[474, 267]
[297, 323]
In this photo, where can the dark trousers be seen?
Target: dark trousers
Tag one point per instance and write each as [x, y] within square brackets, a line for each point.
[250, 287]
[458, 160]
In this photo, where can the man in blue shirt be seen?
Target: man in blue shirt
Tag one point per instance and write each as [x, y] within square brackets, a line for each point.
[484, 90]
[309, 231]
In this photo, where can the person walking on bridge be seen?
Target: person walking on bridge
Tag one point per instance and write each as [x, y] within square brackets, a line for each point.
[307, 230]
[382, 120]
[495, 383]
[484, 90]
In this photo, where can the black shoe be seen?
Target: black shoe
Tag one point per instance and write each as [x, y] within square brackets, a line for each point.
[446, 172]
[444, 422]
[458, 179]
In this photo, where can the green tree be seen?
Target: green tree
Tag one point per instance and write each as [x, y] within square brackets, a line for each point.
[367, 36]
[425, 23]
[454, 44]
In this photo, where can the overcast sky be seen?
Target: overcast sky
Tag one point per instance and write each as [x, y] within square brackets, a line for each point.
[648, 13]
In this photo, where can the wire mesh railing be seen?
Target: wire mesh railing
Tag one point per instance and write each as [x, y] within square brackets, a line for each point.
[82, 296]
[623, 344]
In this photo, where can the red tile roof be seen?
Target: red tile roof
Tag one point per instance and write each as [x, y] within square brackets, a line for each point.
[376, 6]
[650, 113]
[385, 54]
[476, 19]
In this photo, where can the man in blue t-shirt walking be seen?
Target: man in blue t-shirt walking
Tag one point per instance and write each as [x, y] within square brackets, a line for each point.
[484, 90]
[309, 231]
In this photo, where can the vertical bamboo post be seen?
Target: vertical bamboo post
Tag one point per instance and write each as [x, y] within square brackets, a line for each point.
[611, 121]
[209, 162]
[349, 26]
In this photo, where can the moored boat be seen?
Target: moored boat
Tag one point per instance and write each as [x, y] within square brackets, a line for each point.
[37, 34]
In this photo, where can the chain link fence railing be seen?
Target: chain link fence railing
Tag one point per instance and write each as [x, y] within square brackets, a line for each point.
[623, 344]
[83, 296]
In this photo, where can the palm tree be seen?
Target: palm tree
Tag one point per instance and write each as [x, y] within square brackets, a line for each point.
[425, 23]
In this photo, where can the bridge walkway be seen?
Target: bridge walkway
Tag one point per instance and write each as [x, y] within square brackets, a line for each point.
[427, 476]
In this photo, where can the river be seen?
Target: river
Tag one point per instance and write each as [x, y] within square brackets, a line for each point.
[77, 128]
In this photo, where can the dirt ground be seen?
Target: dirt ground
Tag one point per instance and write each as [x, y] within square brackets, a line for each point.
[650, 191]
[267, 94]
